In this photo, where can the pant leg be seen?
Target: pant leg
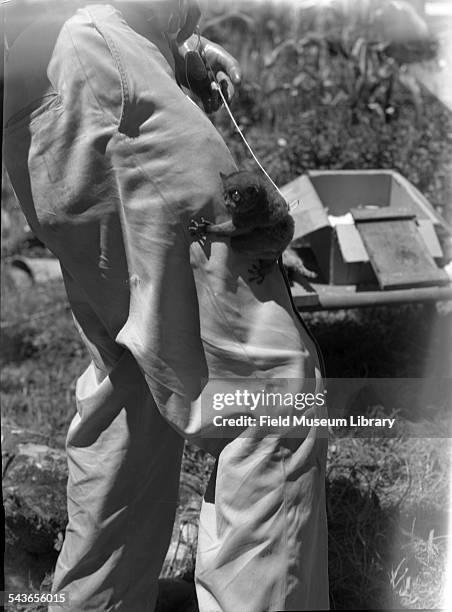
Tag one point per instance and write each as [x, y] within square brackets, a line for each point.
[124, 465]
[262, 540]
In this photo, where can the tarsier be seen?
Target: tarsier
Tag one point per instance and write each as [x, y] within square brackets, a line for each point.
[260, 226]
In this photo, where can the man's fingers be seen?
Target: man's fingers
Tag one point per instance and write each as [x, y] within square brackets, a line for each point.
[214, 101]
[200, 58]
[227, 88]
[220, 59]
[228, 64]
[235, 74]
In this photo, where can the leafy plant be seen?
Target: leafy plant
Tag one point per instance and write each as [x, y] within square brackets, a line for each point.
[324, 89]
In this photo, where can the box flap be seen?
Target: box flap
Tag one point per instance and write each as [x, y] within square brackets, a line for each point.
[427, 231]
[310, 214]
[381, 213]
[350, 243]
[405, 194]
[398, 255]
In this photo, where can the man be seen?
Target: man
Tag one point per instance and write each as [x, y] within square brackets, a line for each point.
[110, 161]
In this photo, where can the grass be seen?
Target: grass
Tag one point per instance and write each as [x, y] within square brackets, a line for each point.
[41, 359]
[387, 498]
[387, 522]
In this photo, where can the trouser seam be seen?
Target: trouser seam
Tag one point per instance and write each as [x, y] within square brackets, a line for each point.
[87, 80]
[125, 90]
[285, 534]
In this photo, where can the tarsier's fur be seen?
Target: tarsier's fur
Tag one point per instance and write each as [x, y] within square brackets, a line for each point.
[260, 226]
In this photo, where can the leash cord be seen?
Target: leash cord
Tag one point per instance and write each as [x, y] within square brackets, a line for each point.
[242, 136]
[217, 86]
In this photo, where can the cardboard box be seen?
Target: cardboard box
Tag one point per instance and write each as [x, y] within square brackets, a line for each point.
[337, 210]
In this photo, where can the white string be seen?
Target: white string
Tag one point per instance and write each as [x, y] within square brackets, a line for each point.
[226, 105]
[217, 86]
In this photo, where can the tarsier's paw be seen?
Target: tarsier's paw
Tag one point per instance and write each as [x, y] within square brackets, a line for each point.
[258, 272]
[198, 228]
[294, 265]
[303, 270]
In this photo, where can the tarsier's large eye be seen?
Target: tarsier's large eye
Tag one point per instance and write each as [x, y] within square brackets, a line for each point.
[252, 190]
[235, 196]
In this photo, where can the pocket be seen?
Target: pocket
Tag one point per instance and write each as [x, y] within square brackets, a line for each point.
[125, 58]
[98, 33]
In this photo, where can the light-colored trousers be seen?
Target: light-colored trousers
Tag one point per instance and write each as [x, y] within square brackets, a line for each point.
[110, 161]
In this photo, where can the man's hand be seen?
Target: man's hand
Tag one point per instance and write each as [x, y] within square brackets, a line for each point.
[223, 65]
[200, 62]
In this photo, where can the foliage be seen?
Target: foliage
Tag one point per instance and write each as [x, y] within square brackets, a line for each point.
[321, 91]
[41, 358]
